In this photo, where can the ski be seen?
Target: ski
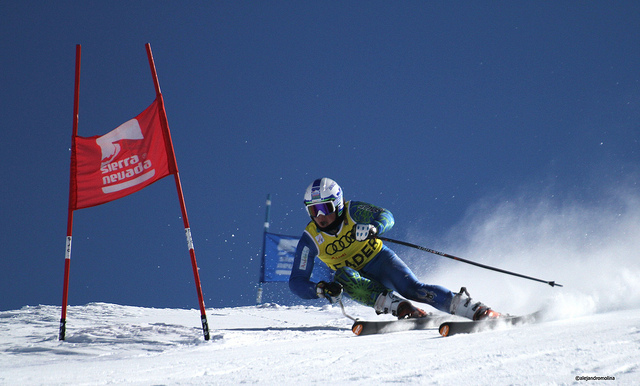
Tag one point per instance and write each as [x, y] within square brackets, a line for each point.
[370, 327]
[450, 328]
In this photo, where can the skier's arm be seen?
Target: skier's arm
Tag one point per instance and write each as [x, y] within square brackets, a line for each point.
[299, 281]
[363, 213]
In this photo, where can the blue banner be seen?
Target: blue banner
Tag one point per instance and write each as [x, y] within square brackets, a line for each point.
[279, 252]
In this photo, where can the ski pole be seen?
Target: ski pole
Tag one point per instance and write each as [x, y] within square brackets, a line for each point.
[344, 312]
[551, 283]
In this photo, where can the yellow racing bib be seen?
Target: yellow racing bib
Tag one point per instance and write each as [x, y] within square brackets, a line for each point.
[342, 249]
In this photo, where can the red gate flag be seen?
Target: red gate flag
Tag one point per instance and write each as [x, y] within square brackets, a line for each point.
[104, 168]
[121, 162]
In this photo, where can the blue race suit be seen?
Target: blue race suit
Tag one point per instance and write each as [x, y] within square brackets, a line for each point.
[353, 259]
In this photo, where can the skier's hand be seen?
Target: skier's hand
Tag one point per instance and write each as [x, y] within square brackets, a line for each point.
[330, 291]
[364, 231]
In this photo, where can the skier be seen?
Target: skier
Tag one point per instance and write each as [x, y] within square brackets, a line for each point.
[343, 236]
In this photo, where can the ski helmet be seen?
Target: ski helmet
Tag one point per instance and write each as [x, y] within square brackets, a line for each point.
[324, 196]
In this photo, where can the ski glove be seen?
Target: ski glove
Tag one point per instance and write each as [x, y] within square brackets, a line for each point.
[364, 231]
[330, 291]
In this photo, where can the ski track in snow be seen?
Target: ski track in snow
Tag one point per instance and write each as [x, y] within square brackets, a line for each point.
[271, 344]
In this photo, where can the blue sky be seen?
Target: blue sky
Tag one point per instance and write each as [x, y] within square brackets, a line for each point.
[434, 110]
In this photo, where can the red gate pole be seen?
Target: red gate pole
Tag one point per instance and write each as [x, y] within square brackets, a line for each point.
[173, 167]
[72, 187]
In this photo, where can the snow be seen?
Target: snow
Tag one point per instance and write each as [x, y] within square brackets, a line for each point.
[272, 344]
[592, 251]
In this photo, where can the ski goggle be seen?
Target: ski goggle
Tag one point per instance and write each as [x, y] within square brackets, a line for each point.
[323, 208]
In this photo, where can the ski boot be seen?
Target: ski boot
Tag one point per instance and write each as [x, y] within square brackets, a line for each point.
[388, 302]
[462, 305]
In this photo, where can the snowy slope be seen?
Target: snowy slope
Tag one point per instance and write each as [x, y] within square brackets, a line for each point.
[271, 344]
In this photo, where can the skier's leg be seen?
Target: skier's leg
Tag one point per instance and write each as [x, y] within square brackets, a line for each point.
[373, 294]
[360, 289]
[392, 272]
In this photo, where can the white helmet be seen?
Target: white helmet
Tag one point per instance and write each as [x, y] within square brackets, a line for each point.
[324, 196]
